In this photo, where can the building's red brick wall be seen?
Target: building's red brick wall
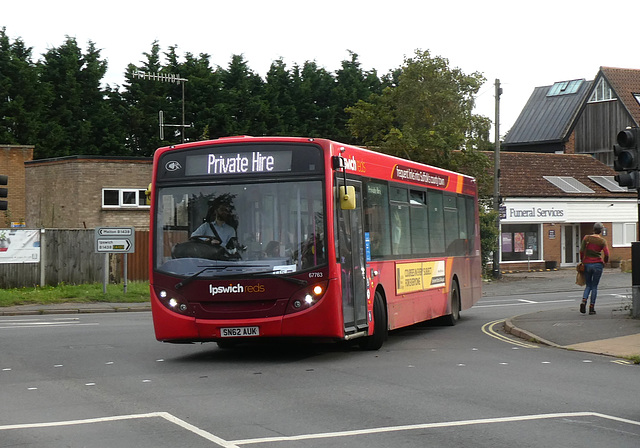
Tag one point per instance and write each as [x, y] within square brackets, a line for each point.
[12, 159]
[570, 145]
[552, 239]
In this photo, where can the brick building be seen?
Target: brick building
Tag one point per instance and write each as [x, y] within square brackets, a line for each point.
[12, 160]
[87, 192]
[550, 201]
[572, 126]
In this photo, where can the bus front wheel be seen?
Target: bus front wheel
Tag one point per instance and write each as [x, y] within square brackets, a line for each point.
[380, 327]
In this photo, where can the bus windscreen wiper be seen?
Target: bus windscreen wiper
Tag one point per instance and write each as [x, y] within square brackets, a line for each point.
[271, 274]
[191, 278]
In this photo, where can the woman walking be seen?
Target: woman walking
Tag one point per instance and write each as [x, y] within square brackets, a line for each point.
[594, 253]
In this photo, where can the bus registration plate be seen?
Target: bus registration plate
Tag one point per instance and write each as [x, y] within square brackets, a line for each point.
[237, 332]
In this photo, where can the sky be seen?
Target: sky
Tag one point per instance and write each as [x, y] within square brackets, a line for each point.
[523, 44]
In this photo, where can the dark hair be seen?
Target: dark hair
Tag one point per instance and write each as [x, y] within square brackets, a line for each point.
[224, 199]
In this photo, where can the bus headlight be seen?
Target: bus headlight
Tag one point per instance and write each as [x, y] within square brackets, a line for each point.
[172, 301]
[307, 297]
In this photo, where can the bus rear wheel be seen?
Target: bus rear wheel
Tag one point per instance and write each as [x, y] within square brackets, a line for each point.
[380, 326]
[454, 300]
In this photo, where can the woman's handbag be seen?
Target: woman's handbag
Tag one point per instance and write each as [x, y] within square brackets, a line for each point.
[580, 275]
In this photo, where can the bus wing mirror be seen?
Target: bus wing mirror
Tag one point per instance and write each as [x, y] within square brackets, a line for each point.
[147, 195]
[348, 197]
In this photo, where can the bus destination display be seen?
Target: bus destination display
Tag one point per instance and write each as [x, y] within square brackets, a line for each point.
[238, 163]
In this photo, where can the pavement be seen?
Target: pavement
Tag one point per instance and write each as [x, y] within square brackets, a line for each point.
[612, 331]
[74, 308]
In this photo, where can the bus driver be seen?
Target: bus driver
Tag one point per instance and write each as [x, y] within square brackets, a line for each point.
[216, 226]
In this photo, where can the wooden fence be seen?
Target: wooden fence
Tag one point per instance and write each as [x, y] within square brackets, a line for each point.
[68, 256]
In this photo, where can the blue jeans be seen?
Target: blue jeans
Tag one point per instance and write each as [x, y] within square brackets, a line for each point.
[592, 274]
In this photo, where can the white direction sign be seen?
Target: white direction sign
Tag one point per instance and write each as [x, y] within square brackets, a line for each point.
[120, 240]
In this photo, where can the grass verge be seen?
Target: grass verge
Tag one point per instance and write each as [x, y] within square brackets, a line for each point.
[634, 359]
[86, 293]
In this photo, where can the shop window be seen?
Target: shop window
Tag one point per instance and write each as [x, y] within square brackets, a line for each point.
[517, 238]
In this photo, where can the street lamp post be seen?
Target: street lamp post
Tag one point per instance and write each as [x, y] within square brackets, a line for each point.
[496, 182]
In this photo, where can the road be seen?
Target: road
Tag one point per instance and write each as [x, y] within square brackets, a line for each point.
[101, 380]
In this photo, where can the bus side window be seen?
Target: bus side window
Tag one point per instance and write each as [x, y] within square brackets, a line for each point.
[400, 233]
[419, 222]
[436, 222]
[451, 230]
[376, 209]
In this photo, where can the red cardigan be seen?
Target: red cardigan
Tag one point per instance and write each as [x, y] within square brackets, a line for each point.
[594, 249]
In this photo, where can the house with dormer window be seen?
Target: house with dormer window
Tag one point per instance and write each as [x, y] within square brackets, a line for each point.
[578, 116]
[556, 170]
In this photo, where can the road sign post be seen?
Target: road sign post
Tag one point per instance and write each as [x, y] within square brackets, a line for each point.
[114, 240]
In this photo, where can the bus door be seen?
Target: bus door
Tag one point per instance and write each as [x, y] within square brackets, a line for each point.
[351, 257]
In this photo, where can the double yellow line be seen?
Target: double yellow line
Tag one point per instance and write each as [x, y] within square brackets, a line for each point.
[623, 362]
[489, 329]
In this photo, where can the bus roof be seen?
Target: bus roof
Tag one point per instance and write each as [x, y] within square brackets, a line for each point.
[362, 161]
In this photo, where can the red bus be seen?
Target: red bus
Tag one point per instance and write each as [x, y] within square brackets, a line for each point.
[283, 237]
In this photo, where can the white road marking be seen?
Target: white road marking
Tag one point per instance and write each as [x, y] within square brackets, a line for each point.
[22, 320]
[385, 429]
[42, 323]
[518, 304]
[176, 421]
[431, 425]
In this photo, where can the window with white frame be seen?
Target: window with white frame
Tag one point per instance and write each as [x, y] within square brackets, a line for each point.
[624, 233]
[124, 198]
[602, 92]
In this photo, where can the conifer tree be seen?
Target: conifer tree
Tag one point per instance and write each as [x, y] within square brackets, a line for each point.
[20, 97]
